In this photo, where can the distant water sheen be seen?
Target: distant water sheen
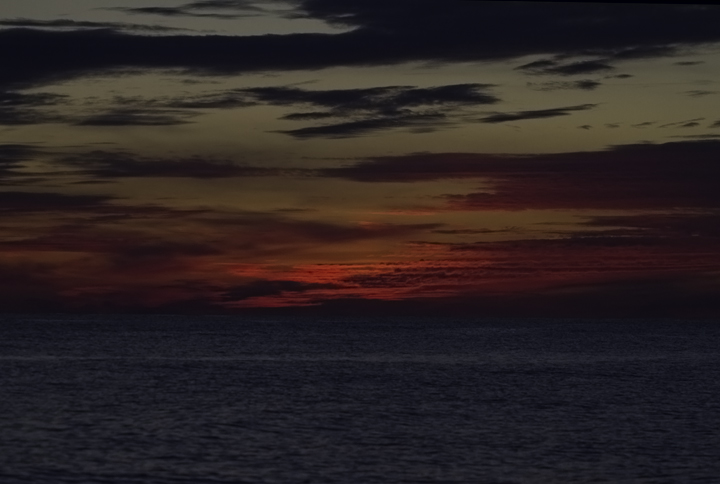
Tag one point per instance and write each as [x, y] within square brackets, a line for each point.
[170, 400]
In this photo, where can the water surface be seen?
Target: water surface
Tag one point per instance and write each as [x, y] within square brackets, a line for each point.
[168, 399]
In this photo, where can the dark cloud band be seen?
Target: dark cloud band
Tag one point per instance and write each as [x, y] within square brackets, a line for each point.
[384, 33]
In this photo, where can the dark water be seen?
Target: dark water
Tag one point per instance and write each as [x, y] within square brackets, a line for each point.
[221, 400]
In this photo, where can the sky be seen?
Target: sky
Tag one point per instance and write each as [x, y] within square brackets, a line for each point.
[360, 157]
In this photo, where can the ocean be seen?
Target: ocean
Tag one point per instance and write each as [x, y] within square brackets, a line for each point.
[220, 399]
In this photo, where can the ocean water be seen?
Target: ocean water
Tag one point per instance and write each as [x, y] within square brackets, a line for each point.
[169, 400]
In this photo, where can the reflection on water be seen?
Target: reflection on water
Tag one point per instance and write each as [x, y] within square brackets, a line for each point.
[156, 400]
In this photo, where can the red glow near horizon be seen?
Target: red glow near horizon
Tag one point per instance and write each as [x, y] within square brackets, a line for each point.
[503, 269]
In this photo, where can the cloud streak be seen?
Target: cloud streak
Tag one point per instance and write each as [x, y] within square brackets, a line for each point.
[357, 111]
[535, 114]
[17, 108]
[118, 164]
[584, 85]
[137, 117]
[418, 123]
[80, 24]
[219, 9]
[636, 176]
[546, 67]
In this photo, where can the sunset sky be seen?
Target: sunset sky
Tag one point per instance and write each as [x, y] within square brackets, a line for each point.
[363, 157]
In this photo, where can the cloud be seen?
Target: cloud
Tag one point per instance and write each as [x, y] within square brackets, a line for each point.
[261, 288]
[137, 117]
[699, 136]
[584, 67]
[228, 9]
[104, 253]
[14, 202]
[385, 100]
[120, 164]
[635, 176]
[269, 234]
[180, 12]
[537, 66]
[585, 85]
[237, 98]
[17, 116]
[358, 111]
[11, 154]
[419, 123]
[654, 177]
[377, 100]
[18, 108]
[84, 24]
[497, 268]
[251, 5]
[542, 277]
[654, 225]
[165, 11]
[473, 231]
[535, 114]
[12, 157]
[569, 69]
[125, 250]
[384, 33]
[700, 93]
[100, 223]
[690, 123]
[18, 99]
[550, 23]
[101, 255]
[375, 109]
